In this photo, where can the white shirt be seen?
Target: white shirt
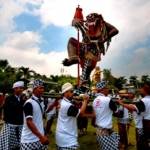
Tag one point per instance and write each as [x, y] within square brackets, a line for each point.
[66, 130]
[138, 119]
[50, 102]
[146, 113]
[27, 135]
[102, 111]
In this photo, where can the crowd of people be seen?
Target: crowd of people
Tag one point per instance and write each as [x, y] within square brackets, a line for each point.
[24, 129]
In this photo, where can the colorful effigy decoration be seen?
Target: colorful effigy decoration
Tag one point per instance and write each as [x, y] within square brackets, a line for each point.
[96, 37]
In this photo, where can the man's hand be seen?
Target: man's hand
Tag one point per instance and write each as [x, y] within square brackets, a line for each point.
[56, 103]
[85, 97]
[44, 140]
[119, 101]
[76, 23]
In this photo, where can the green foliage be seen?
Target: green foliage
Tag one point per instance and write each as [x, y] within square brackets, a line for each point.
[8, 75]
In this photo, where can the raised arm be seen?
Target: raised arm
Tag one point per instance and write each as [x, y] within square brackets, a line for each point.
[112, 31]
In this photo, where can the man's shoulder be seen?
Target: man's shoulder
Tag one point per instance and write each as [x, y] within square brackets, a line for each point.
[10, 98]
[28, 101]
[145, 99]
[102, 97]
[65, 104]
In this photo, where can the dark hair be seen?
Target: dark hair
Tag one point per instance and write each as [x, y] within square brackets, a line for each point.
[146, 88]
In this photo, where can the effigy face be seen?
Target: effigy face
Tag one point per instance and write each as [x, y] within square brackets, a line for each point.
[93, 24]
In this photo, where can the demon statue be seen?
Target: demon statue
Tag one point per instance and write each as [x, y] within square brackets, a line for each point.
[96, 36]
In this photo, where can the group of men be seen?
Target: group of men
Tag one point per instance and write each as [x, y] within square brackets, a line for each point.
[23, 120]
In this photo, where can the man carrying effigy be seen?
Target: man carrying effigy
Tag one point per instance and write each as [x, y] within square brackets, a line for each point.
[104, 107]
[142, 107]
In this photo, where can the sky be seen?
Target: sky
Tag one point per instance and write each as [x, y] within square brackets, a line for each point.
[34, 33]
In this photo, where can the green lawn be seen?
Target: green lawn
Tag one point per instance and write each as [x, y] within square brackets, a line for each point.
[88, 142]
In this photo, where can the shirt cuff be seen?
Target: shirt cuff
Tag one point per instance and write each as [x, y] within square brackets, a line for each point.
[78, 113]
[136, 109]
[28, 117]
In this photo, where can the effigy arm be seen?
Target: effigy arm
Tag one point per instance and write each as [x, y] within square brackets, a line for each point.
[112, 31]
[79, 25]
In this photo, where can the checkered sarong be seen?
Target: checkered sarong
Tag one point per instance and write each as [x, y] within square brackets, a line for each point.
[10, 137]
[33, 146]
[74, 147]
[139, 131]
[108, 142]
[85, 74]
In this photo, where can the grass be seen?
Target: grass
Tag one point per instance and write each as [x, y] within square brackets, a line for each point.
[88, 142]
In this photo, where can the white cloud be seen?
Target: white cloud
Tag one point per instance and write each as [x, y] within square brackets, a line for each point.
[21, 50]
[61, 13]
[24, 40]
[8, 10]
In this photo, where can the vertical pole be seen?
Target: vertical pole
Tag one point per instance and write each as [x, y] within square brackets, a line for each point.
[78, 58]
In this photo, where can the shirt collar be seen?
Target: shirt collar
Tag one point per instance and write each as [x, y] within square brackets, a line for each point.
[18, 97]
[147, 96]
[36, 98]
[100, 94]
[64, 98]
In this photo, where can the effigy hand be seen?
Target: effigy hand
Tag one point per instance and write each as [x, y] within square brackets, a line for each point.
[76, 23]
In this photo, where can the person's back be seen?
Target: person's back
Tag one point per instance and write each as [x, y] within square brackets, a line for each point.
[103, 108]
[103, 112]
[146, 101]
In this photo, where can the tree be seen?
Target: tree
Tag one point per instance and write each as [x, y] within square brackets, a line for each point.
[119, 82]
[134, 81]
[145, 79]
[3, 65]
[25, 74]
[109, 77]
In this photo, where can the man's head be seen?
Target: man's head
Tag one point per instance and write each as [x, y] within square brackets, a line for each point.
[145, 89]
[102, 88]
[38, 87]
[67, 90]
[18, 87]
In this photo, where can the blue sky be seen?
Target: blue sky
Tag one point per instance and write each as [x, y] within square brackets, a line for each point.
[53, 37]
[36, 32]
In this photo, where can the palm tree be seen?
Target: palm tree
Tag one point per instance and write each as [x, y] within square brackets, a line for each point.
[3, 65]
[25, 74]
[107, 74]
[145, 78]
[119, 82]
[134, 81]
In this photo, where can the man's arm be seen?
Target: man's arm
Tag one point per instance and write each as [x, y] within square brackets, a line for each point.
[84, 104]
[74, 111]
[139, 106]
[35, 131]
[50, 107]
